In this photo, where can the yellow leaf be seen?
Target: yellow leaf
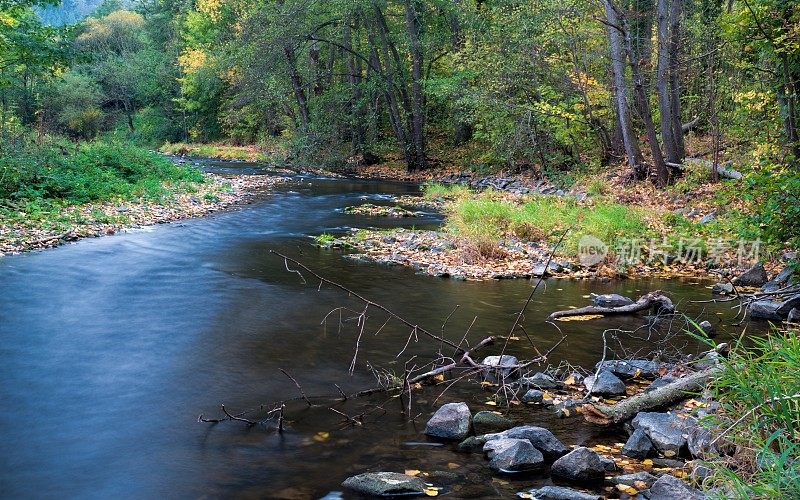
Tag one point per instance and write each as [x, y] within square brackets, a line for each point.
[584, 317]
[412, 472]
[321, 436]
[647, 461]
[439, 378]
[627, 489]
[491, 403]
[669, 453]
[452, 465]
[431, 492]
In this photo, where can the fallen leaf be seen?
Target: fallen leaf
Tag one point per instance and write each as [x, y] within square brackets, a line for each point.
[431, 492]
[321, 436]
[584, 317]
[452, 465]
[412, 472]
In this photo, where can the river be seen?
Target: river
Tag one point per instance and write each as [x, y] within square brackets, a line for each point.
[112, 347]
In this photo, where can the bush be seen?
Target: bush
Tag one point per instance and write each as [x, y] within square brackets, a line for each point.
[88, 172]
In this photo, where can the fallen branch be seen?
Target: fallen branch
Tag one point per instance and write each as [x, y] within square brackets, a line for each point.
[728, 173]
[657, 398]
[660, 302]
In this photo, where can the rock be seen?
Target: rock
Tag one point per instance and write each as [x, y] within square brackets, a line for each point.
[755, 276]
[794, 316]
[665, 430]
[542, 439]
[539, 270]
[451, 421]
[385, 484]
[638, 445]
[789, 256]
[605, 384]
[608, 463]
[668, 463]
[660, 382]
[533, 396]
[611, 300]
[779, 280]
[485, 422]
[472, 444]
[567, 408]
[625, 369]
[708, 329]
[710, 359]
[632, 479]
[787, 305]
[574, 378]
[581, 464]
[698, 439]
[707, 218]
[561, 493]
[540, 381]
[722, 289]
[513, 455]
[765, 309]
[500, 366]
[669, 487]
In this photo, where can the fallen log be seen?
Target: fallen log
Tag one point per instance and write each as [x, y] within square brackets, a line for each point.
[657, 398]
[722, 170]
[656, 300]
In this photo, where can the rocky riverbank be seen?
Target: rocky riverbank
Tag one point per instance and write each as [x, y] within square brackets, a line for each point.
[21, 231]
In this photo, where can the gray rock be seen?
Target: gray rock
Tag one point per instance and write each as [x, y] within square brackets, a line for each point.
[451, 421]
[794, 316]
[708, 329]
[722, 289]
[638, 445]
[472, 444]
[608, 463]
[605, 384]
[670, 463]
[707, 218]
[500, 367]
[539, 437]
[540, 381]
[669, 487]
[779, 280]
[629, 368]
[632, 479]
[485, 422]
[665, 430]
[541, 270]
[561, 493]
[611, 300]
[581, 464]
[567, 408]
[698, 439]
[660, 382]
[533, 396]
[755, 276]
[789, 256]
[765, 309]
[385, 484]
[513, 455]
[787, 305]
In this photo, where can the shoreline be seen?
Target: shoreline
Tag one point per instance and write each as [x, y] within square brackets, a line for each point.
[107, 218]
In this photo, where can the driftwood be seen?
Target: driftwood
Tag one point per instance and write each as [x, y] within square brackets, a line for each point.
[657, 300]
[657, 398]
[722, 170]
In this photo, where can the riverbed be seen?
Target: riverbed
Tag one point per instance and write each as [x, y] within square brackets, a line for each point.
[113, 346]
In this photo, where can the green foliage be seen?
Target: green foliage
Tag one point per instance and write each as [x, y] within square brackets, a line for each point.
[59, 170]
[324, 239]
[776, 190]
[759, 390]
[433, 191]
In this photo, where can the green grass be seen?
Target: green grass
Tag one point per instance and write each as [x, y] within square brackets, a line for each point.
[221, 151]
[755, 391]
[325, 239]
[432, 191]
[483, 219]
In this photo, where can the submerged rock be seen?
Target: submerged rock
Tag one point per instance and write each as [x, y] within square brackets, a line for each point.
[513, 455]
[581, 464]
[605, 384]
[665, 430]
[708, 329]
[540, 380]
[500, 366]
[385, 484]
[632, 479]
[472, 443]
[541, 438]
[755, 276]
[561, 493]
[630, 368]
[485, 422]
[669, 487]
[638, 445]
[451, 421]
[611, 300]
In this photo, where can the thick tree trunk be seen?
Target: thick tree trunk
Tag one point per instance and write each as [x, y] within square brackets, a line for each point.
[620, 91]
[662, 83]
[674, 80]
[297, 87]
[414, 30]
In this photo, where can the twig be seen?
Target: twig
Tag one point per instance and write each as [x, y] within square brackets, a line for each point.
[299, 388]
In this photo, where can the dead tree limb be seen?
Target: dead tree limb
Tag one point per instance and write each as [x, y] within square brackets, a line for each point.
[657, 398]
[657, 300]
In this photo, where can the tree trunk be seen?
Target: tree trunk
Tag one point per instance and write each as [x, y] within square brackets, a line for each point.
[414, 29]
[620, 91]
[354, 79]
[674, 80]
[662, 84]
[297, 86]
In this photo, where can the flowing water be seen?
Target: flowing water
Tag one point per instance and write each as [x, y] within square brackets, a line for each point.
[112, 347]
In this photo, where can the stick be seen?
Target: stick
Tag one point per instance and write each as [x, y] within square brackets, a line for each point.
[302, 394]
[655, 298]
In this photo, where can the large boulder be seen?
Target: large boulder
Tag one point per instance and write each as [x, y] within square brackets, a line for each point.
[630, 368]
[513, 455]
[499, 367]
[666, 431]
[384, 484]
[581, 464]
[485, 422]
[540, 380]
[451, 421]
[611, 300]
[765, 309]
[669, 487]
[638, 446]
[542, 439]
[605, 384]
[755, 276]
[561, 493]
